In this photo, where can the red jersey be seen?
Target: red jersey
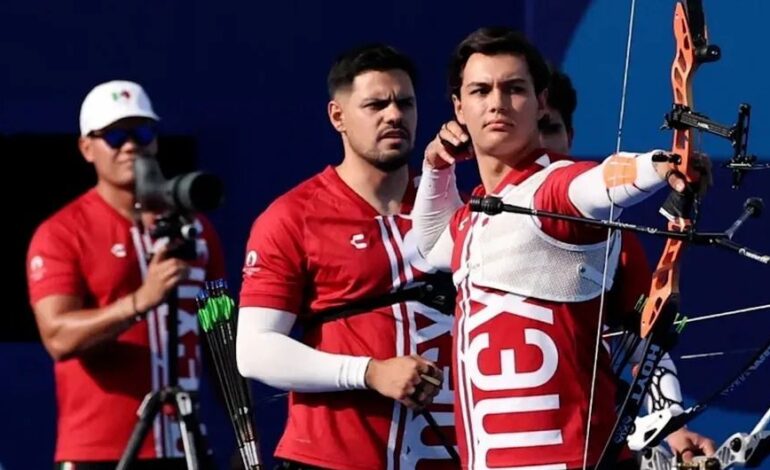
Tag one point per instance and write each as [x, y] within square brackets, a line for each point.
[320, 246]
[87, 249]
[523, 365]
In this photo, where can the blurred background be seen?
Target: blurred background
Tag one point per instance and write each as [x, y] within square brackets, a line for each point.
[240, 88]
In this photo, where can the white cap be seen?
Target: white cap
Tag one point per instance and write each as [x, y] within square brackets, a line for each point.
[113, 101]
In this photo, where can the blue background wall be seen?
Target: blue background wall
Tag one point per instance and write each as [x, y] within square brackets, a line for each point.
[246, 80]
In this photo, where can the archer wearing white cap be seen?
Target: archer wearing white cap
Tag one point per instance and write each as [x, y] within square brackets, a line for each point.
[98, 293]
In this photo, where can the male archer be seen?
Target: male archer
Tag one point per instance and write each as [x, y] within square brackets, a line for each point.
[529, 289]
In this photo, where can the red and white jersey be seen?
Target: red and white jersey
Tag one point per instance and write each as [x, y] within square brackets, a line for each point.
[319, 246]
[87, 249]
[523, 365]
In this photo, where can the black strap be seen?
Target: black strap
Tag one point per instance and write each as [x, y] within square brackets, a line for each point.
[437, 292]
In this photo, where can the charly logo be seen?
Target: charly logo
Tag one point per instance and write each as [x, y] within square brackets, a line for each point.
[358, 241]
[119, 250]
[461, 225]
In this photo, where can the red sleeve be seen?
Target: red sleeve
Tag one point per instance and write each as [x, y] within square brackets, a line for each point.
[274, 271]
[215, 267]
[553, 196]
[454, 221]
[52, 263]
[633, 277]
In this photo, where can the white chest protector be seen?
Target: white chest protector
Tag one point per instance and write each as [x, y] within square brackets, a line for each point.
[510, 252]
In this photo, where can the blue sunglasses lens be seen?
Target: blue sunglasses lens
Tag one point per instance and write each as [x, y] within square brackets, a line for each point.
[142, 135]
[115, 138]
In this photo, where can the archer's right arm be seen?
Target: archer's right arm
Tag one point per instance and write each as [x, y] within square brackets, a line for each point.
[57, 291]
[438, 197]
[274, 281]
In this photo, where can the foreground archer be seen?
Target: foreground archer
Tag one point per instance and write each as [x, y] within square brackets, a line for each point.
[529, 288]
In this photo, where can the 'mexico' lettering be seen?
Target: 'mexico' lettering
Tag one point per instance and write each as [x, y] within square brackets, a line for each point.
[507, 377]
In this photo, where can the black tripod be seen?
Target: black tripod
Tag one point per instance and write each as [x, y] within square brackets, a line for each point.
[183, 402]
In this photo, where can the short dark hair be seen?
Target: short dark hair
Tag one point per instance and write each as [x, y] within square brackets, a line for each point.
[370, 57]
[562, 97]
[494, 41]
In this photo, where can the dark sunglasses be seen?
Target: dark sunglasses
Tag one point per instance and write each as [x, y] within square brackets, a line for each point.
[115, 138]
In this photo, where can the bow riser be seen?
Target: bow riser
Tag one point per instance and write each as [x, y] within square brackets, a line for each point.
[665, 279]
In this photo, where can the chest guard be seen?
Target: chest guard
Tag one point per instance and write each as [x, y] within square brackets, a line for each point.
[510, 252]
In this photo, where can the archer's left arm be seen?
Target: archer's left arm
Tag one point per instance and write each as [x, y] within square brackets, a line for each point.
[622, 180]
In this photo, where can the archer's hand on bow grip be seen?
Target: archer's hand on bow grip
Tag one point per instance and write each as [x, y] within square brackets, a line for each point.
[667, 165]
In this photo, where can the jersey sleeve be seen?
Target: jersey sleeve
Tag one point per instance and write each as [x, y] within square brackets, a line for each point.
[553, 196]
[52, 263]
[275, 268]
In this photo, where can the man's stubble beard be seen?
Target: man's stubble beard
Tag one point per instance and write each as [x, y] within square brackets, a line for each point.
[388, 164]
